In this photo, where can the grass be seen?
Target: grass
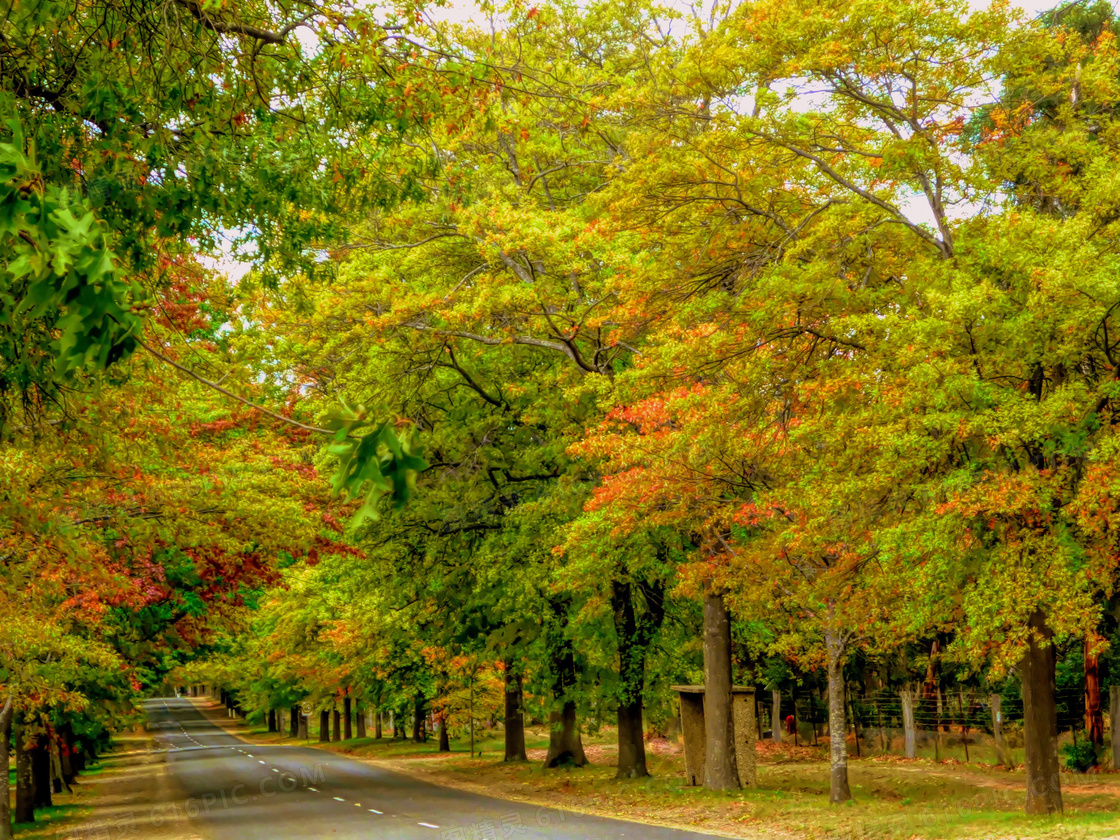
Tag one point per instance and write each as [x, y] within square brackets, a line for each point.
[893, 799]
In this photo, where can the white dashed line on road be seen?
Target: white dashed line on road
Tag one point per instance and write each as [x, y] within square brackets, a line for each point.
[374, 811]
[428, 825]
[316, 790]
[339, 799]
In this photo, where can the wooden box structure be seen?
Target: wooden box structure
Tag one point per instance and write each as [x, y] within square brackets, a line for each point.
[744, 717]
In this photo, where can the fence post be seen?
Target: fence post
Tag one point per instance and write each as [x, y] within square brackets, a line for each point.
[1114, 722]
[907, 696]
[997, 731]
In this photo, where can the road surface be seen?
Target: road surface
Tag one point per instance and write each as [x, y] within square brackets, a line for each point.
[228, 789]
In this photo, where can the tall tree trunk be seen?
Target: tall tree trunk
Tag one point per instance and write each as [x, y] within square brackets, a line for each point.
[66, 753]
[776, 715]
[1094, 718]
[444, 736]
[1114, 709]
[377, 725]
[347, 731]
[293, 722]
[25, 779]
[635, 633]
[337, 726]
[304, 722]
[515, 715]
[272, 727]
[1040, 719]
[360, 720]
[720, 770]
[41, 772]
[324, 725]
[909, 729]
[6, 713]
[838, 789]
[419, 731]
[565, 745]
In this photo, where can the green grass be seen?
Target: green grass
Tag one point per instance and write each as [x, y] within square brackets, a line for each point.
[46, 820]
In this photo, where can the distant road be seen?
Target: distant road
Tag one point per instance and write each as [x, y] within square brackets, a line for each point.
[232, 790]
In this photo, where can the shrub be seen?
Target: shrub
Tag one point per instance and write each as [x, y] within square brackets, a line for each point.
[1080, 756]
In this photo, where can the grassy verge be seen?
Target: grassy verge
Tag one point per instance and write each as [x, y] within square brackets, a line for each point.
[895, 799]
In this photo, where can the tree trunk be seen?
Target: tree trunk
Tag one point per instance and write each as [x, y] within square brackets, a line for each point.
[565, 745]
[419, 731]
[515, 715]
[337, 726]
[66, 754]
[324, 725]
[377, 725]
[293, 722]
[776, 715]
[720, 770]
[444, 736]
[910, 731]
[347, 731]
[838, 789]
[1040, 719]
[41, 772]
[997, 730]
[25, 780]
[272, 727]
[360, 720]
[1114, 722]
[5, 785]
[635, 633]
[1094, 718]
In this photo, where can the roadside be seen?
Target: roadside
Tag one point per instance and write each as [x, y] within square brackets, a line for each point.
[132, 798]
[895, 799]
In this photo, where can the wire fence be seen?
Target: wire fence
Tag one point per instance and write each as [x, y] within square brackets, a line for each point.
[965, 725]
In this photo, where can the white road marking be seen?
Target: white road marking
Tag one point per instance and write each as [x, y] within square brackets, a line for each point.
[374, 811]
[428, 825]
[339, 799]
[314, 789]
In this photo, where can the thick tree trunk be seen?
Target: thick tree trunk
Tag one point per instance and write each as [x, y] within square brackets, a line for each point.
[293, 722]
[6, 713]
[635, 632]
[377, 725]
[272, 727]
[41, 772]
[347, 731]
[304, 722]
[419, 731]
[25, 780]
[337, 726]
[720, 770]
[1094, 718]
[565, 744]
[776, 715]
[360, 720]
[515, 715]
[910, 731]
[1114, 710]
[1040, 719]
[838, 789]
[66, 754]
[324, 725]
[444, 737]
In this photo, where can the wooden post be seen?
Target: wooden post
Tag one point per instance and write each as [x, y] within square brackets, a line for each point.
[776, 715]
[997, 730]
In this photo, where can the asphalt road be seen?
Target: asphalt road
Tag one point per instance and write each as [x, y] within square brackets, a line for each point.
[228, 789]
